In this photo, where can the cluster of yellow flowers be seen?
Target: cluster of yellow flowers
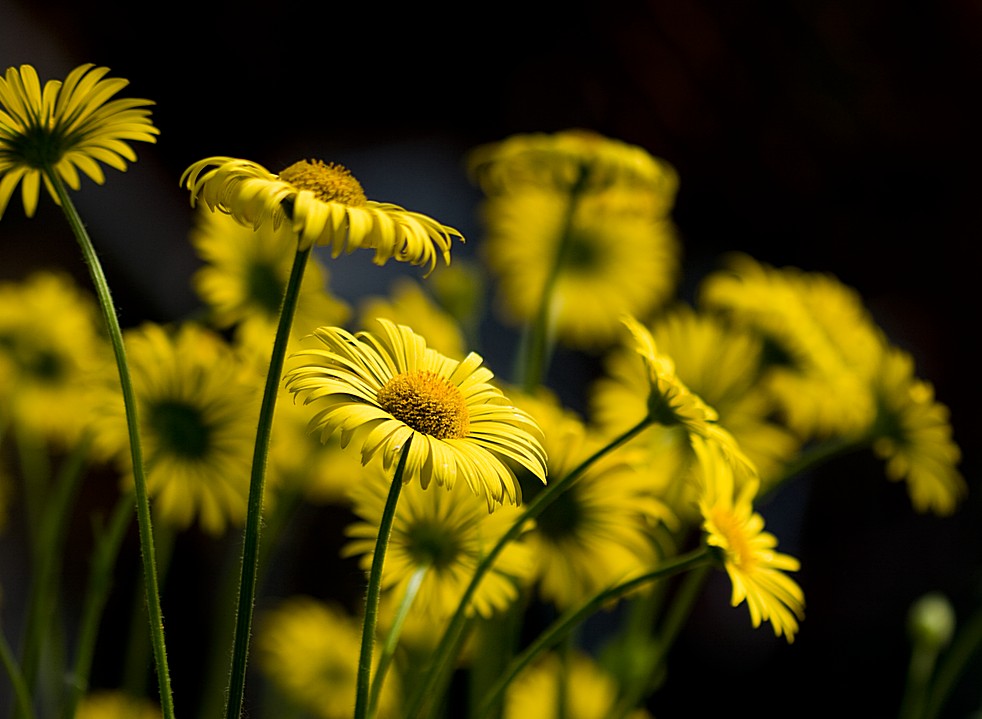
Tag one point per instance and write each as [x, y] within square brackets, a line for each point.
[469, 496]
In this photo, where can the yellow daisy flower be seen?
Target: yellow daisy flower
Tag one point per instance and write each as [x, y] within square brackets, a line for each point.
[310, 651]
[324, 205]
[245, 275]
[591, 693]
[913, 435]
[616, 255]
[198, 417]
[386, 388]
[65, 127]
[563, 159]
[748, 553]
[599, 532]
[115, 705]
[449, 532]
[51, 344]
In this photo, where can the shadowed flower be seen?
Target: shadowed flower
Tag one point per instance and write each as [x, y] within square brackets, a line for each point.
[748, 553]
[323, 204]
[913, 434]
[115, 705]
[65, 127]
[382, 389]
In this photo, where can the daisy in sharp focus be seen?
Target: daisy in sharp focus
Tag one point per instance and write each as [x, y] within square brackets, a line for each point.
[378, 390]
[323, 204]
[748, 553]
[65, 127]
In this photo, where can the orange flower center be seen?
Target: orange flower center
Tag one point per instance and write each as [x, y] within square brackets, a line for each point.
[329, 182]
[428, 403]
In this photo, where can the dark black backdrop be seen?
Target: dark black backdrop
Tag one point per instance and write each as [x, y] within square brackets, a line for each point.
[839, 137]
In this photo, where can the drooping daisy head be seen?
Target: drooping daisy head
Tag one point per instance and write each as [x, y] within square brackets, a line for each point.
[378, 390]
[323, 204]
[612, 252]
[198, 411]
[310, 651]
[748, 553]
[445, 532]
[63, 128]
[913, 434]
[244, 277]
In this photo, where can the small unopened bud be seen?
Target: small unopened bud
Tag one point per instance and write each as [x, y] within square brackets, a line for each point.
[931, 621]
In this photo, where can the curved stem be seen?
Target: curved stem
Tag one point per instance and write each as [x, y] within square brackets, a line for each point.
[136, 450]
[574, 616]
[451, 635]
[375, 586]
[257, 485]
[968, 642]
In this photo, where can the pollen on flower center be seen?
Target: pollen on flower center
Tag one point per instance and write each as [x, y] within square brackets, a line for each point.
[328, 181]
[737, 549]
[428, 403]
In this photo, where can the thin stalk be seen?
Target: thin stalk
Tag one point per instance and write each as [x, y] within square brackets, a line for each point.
[573, 617]
[968, 642]
[257, 485]
[815, 456]
[451, 635]
[154, 612]
[104, 556]
[392, 640]
[22, 694]
[375, 586]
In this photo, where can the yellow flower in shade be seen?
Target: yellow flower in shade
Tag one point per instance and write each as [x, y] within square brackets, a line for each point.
[449, 533]
[116, 705]
[564, 159]
[591, 693]
[51, 344]
[65, 127]
[824, 345]
[198, 415]
[382, 389]
[409, 304]
[310, 650]
[245, 275]
[324, 205]
[748, 553]
[617, 255]
[600, 531]
[913, 434]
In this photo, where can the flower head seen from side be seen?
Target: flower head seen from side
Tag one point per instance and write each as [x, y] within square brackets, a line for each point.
[309, 650]
[913, 434]
[748, 553]
[65, 127]
[447, 533]
[379, 390]
[198, 412]
[323, 204]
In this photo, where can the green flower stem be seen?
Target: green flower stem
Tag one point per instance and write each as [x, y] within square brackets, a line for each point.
[445, 650]
[257, 484]
[392, 640]
[967, 644]
[576, 615]
[818, 455]
[375, 587]
[22, 694]
[537, 343]
[109, 540]
[136, 451]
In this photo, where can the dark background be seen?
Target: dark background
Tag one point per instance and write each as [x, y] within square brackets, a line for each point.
[834, 136]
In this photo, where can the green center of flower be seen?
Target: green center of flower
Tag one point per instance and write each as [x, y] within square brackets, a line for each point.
[580, 251]
[428, 403]
[180, 429]
[430, 544]
[36, 146]
[329, 182]
[563, 518]
[264, 287]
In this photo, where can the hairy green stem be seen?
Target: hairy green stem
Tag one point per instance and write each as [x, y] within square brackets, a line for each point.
[444, 651]
[257, 484]
[375, 587]
[136, 451]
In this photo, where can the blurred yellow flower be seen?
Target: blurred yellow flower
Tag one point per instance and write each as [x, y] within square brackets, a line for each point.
[748, 553]
[198, 415]
[323, 204]
[381, 389]
[65, 127]
[106, 704]
[914, 435]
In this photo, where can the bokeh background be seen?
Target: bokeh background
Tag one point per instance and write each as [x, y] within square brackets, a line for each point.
[833, 136]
